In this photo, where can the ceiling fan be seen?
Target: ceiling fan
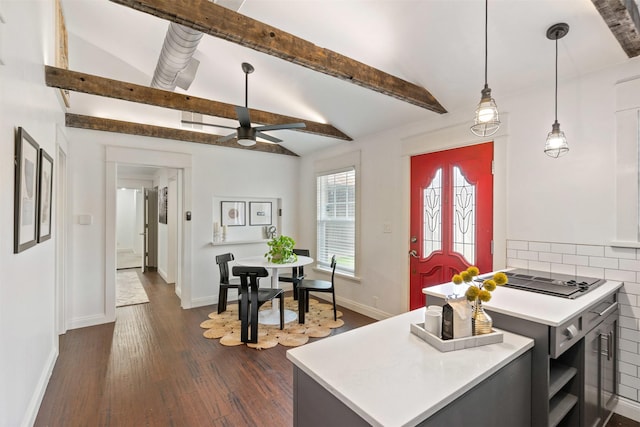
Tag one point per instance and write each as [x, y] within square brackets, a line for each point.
[246, 134]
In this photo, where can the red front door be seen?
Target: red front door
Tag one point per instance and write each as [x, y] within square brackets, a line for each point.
[451, 215]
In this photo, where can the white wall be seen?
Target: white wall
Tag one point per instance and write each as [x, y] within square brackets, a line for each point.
[126, 231]
[214, 171]
[27, 288]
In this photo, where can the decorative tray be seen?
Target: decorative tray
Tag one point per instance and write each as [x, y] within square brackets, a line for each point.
[456, 343]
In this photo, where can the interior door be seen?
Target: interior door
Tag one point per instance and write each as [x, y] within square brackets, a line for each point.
[150, 254]
[451, 215]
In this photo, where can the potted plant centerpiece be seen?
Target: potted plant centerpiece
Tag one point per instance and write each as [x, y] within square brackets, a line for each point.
[281, 250]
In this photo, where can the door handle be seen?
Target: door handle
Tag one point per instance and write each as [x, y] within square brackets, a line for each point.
[414, 253]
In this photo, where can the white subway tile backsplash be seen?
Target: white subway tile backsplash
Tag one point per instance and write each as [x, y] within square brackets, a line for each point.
[563, 269]
[622, 253]
[540, 246]
[630, 334]
[590, 250]
[628, 357]
[603, 262]
[632, 287]
[627, 310]
[575, 259]
[628, 299]
[550, 257]
[590, 272]
[628, 369]
[619, 275]
[563, 248]
[529, 255]
[630, 381]
[512, 253]
[520, 245]
[540, 266]
[631, 347]
[629, 322]
[517, 263]
[628, 264]
[627, 392]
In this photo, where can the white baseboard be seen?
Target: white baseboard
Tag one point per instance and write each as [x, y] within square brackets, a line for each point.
[83, 322]
[200, 302]
[365, 310]
[628, 408]
[34, 405]
[163, 274]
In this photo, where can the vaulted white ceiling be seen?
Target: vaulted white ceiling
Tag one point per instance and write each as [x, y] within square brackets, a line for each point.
[437, 44]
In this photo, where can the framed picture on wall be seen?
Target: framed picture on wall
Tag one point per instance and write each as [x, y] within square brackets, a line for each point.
[25, 207]
[233, 213]
[259, 213]
[45, 189]
[163, 208]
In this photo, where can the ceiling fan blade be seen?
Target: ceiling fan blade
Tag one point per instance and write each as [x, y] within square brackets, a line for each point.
[284, 126]
[205, 124]
[243, 116]
[267, 137]
[226, 138]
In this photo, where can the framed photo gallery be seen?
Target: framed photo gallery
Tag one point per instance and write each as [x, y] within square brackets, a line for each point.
[233, 213]
[32, 192]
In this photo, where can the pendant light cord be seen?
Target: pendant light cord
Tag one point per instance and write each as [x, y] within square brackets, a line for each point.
[486, 22]
[556, 77]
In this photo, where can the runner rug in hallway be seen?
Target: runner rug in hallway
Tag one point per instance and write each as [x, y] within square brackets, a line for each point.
[129, 290]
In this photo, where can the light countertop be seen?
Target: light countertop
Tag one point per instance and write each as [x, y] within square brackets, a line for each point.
[546, 309]
[390, 377]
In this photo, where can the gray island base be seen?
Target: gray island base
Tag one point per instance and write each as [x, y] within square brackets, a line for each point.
[383, 375]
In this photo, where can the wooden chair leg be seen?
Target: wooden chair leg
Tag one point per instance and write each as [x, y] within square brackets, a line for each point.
[254, 318]
[301, 304]
[244, 318]
[222, 300]
[281, 311]
[335, 316]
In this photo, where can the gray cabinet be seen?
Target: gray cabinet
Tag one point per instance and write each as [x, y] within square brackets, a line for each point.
[600, 377]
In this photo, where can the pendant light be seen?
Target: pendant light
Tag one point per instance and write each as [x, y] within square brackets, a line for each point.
[487, 120]
[556, 144]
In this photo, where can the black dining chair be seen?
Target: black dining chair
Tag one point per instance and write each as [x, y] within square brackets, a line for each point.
[252, 297]
[297, 273]
[226, 282]
[306, 286]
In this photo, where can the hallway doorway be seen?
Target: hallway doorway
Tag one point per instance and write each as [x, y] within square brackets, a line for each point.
[125, 166]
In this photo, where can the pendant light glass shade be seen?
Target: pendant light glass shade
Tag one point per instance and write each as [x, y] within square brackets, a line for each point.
[556, 144]
[487, 118]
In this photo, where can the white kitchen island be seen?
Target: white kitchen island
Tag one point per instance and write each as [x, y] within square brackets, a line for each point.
[383, 375]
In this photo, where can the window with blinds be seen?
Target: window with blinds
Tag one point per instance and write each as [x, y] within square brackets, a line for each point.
[336, 219]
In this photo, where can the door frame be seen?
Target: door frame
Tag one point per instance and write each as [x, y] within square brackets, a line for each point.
[446, 138]
[141, 157]
[61, 234]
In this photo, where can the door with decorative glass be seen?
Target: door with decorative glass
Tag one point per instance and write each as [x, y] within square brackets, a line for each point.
[451, 216]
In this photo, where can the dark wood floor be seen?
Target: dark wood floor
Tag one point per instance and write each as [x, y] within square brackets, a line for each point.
[152, 367]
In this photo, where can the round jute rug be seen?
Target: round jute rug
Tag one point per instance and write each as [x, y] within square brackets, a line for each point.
[319, 323]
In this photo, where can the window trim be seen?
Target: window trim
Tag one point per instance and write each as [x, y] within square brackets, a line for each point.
[339, 164]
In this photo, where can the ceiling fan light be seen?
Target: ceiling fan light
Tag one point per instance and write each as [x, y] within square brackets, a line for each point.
[556, 144]
[246, 142]
[487, 118]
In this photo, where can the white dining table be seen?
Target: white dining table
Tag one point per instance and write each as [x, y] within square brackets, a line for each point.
[272, 317]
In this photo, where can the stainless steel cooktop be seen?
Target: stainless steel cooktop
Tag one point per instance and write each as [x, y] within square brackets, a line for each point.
[556, 284]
